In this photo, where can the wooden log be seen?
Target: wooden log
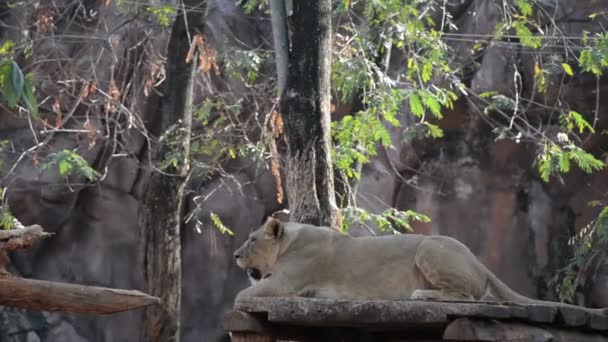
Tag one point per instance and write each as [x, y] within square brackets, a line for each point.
[53, 296]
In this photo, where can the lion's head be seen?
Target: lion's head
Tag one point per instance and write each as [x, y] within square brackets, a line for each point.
[259, 253]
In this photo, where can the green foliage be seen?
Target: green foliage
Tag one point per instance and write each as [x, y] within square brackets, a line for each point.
[213, 143]
[555, 158]
[573, 120]
[568, 69]
[7, 48]
[594, 57]
[524, 7]
[17, 88]
[526, 37]
[590, 254]
[540, 79]
[164, 14]
[245, 65]
[391, 220]
[69, 162]
[217, 223]
[519, 19]
[358, 71]
[173, 145]
[249, 6]
[7, 220]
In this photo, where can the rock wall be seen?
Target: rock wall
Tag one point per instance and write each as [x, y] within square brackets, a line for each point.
[485, 193]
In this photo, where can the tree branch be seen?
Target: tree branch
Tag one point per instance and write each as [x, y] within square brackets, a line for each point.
[21, 238]
[53, 296]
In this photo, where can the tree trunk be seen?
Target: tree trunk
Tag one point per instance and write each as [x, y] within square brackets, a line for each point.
[163, 199]
[305, 105]
[280, 37]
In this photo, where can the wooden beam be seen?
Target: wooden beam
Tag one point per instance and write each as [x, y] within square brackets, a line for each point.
[432, 314]
[467, 329]
[243, 326]
[53, 296]
[249, 337]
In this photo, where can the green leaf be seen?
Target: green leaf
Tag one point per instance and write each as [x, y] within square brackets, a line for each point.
[416, 105]
[567, 69]
[11, 94]
[433, 130]
[431, 103]
[217, 222]
[29, 98]
[64, 167]
[427, 71]
[580, 122]
[69, 162]
[564, 162]
[6, 48]
[524, 6]
[586, 161]
[527, 38]
[488, 94]
[17, 79]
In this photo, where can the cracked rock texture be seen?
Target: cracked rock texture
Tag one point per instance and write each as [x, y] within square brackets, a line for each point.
[483, 192]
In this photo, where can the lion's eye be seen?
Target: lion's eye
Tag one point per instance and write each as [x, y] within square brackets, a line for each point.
[252, 239]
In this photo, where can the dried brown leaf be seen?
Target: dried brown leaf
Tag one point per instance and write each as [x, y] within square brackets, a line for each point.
[57, 111]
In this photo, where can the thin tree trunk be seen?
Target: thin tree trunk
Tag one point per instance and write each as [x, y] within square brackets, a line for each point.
[163, 200]
[305, 105]
[278, 13]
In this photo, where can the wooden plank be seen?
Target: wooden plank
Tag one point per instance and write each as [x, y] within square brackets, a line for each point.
[309, 311]
[239, 321]
[251, 325]
[486, 311]
[408, 313]
[598, 321]
[541, 313]
[340, 313]
[466, 329]
[250, 337]
[573, 317]
[53, 296]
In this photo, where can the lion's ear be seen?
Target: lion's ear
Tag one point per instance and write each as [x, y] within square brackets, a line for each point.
[273, 228]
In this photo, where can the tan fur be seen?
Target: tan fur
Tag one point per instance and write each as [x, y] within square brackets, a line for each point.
[305, 260]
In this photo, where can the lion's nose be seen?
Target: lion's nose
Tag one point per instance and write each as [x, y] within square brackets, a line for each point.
[237, 255]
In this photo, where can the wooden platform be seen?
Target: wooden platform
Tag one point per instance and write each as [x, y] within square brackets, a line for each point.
[306, 319]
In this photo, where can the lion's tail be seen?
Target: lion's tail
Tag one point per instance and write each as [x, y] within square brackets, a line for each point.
[505, 293]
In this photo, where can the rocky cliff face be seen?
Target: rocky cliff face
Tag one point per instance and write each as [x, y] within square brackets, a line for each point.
[483, 192]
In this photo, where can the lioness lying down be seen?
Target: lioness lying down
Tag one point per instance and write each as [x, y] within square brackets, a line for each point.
[295, 259]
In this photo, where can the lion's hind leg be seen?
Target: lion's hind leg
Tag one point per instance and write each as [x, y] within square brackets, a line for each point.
[452, 272]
